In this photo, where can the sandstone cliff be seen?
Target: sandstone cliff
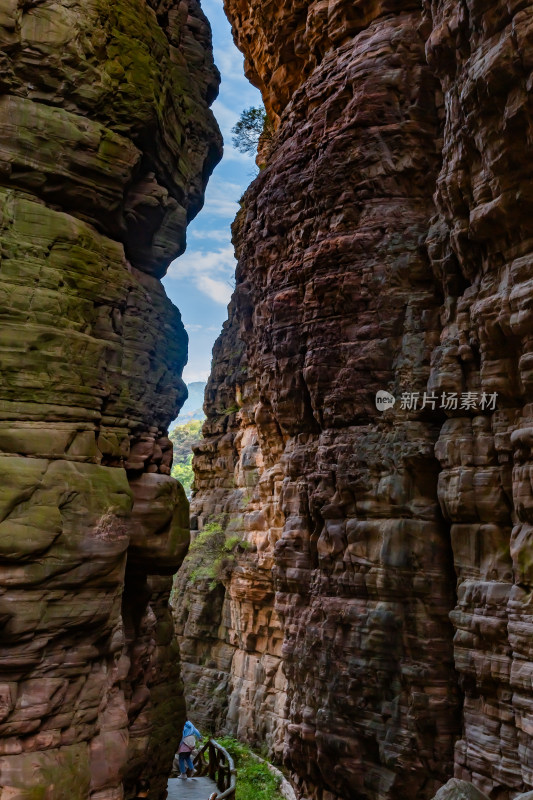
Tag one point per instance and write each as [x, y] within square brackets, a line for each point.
[106, 143]
[480, 246]
[376, 632]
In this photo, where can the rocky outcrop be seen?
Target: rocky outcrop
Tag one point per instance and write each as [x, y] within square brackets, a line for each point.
[459, 790]
[106, 143]
[336, 621]
[480, 245]
[376, 631]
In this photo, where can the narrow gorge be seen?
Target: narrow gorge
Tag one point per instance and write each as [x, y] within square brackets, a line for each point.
[372, 626]
[357, 602]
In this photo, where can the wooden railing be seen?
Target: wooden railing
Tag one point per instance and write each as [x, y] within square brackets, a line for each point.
[215, 762]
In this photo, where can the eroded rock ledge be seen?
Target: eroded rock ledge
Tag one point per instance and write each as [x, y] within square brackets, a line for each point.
[377, 632]
[106, 143]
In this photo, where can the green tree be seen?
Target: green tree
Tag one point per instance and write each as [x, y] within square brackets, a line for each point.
[184, 474]
[253, 124]
[183, 438]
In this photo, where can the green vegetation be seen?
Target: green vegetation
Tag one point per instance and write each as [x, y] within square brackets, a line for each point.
[246, 499]
[252, 125]
[254, 779]
[212, 554]
[183, 438]
[183, 473]
[138, 69]
[67, 779]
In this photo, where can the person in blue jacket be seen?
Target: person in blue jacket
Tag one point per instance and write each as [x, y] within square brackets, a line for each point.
[187, 745]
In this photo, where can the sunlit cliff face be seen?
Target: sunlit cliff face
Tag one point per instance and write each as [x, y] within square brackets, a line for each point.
[374, 632]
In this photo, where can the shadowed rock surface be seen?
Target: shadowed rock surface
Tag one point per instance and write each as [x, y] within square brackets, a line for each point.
[377, 631]
[106, 144]
[459, 790]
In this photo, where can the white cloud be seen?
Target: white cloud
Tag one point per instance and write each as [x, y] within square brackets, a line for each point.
[231, 64]
[219, 291]
[192, 373]
[217, 235]
[212, 262]
[193, 327]
[221, 198]
[211, 272]
[226, 117]
[232, 154]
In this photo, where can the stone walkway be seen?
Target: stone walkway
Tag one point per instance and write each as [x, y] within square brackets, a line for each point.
[191, 789]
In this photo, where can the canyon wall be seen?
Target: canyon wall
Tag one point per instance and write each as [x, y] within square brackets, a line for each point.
[106, 144]
[480, 246]
[372, 626]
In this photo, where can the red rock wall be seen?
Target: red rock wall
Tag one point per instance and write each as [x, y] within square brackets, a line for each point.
[480, 246]
[375, 633]
[352, 581]
[106, 142]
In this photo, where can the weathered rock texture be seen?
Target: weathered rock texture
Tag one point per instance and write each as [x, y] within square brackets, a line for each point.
[480, 246]
[459, 790]
[106, 143]
[386, 245]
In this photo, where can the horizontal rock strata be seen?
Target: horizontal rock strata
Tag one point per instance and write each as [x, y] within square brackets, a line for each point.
[106, 142]
[480, 246]
[336, 644]
[376, 630]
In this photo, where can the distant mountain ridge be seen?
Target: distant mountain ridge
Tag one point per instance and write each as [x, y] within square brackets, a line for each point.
[193, 406]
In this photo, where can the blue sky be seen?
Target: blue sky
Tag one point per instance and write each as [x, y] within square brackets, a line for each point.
[200, 281]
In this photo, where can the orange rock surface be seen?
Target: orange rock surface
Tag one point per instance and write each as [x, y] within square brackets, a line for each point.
[376, 631]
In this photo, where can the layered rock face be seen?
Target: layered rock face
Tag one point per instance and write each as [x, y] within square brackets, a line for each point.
[340, 617]
[480, 247]
[375, 633]
[106, 143]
